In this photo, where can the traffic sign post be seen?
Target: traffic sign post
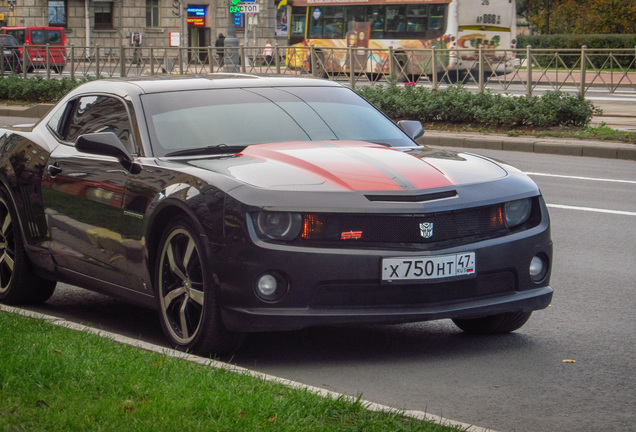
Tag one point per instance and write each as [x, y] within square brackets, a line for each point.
[245, 8]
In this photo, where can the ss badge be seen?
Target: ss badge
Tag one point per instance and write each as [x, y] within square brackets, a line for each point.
[426, 229]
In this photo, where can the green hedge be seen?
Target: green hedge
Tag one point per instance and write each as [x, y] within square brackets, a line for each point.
[457, 105]
[563, 41]
[36, 89]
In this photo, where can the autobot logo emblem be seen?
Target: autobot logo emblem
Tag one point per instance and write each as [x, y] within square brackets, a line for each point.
[426, 229]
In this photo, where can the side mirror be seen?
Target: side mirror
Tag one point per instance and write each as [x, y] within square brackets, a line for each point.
[412, 128]
[107, 144]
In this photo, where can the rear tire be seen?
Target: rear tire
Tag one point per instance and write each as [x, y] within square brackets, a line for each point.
[19, 284]
[494, 324]
[187, 295]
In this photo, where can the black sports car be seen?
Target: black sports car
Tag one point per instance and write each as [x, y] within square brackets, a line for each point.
[233, 204]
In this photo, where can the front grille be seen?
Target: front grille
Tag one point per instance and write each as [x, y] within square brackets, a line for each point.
[474, 223]
[414, 294]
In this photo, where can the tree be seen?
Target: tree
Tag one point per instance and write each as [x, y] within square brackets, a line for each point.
[581, 16]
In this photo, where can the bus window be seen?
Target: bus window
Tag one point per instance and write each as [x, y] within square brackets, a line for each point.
[395, 19]
[297, 27]
[333, 21]
[417, 18]
[436, 21]
[315, 22]
[353, 14]
[376, 15]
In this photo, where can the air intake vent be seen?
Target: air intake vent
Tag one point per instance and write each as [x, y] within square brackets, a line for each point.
[413, 198]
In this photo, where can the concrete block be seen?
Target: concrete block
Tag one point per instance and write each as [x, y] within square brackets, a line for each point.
[600, 151]
[484, 143]
[519, 145]
[559, 148]
[628, 153]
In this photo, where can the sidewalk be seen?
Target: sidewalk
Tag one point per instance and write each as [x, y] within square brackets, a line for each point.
[557, 146]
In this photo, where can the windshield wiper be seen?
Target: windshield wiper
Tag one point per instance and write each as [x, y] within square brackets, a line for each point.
[217, 149]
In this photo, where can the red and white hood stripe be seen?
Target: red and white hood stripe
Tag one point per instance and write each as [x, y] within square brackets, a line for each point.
[354, 166]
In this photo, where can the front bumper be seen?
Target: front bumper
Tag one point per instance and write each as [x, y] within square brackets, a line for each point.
[343, 286]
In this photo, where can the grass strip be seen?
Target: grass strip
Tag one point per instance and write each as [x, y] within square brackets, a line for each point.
[54, 379]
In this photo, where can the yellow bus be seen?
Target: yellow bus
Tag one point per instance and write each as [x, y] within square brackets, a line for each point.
[397, 36]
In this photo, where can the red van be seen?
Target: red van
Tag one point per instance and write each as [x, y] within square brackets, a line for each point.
[36, 39]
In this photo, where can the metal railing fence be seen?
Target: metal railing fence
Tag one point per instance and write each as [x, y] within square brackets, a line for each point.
[527, 69]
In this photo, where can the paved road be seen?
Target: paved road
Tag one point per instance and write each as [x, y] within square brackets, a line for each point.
[515, 382]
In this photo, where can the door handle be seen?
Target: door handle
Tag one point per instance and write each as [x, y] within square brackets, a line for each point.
[54, 169]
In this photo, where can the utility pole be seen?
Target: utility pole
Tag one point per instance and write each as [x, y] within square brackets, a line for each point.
[231, 42]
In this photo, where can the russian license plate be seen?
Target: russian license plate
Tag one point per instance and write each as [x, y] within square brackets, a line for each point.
[424, 268]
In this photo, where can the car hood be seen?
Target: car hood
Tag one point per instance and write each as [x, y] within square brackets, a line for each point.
[350, 165]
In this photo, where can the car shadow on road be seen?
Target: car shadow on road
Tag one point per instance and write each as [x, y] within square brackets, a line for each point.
[434, 341]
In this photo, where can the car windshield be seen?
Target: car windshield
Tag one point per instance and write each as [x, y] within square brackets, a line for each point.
[204, 119]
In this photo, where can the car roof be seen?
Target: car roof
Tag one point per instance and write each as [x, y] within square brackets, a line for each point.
[169, 83]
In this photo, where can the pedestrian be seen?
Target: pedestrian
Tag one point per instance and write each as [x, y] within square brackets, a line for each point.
[268, 52]
[220, 52]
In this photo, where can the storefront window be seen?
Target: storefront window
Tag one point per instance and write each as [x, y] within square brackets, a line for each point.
[57, 13]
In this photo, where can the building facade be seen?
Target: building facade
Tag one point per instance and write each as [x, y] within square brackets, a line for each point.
[159, 23]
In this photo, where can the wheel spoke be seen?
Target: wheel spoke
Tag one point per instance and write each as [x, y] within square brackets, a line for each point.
[173, 265]
[187, 256]
[196, 296]
[184, 322]
[5, 259]
[6, 224]
[172, 295]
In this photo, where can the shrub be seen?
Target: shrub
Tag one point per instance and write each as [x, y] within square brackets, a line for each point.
[37, 89]
[457, 105]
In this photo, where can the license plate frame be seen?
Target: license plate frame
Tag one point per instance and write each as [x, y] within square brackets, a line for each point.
[427, 268]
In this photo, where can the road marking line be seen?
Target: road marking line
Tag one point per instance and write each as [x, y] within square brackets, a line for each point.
[581, 178]
[371, 406]
[590, 209]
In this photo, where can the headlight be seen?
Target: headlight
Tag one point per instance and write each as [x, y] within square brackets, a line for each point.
[278, 225]
[517, 212]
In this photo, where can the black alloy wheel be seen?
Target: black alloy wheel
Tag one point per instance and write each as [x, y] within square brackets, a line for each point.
[19, 284]
[187, 302]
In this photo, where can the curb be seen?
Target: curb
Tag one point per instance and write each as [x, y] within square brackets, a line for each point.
[565, 147]
[35, 111]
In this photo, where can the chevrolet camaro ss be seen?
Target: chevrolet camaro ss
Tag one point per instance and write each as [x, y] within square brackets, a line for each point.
[234, 204]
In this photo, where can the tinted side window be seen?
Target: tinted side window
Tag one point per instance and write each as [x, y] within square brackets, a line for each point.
[54, 37]
[18, 34]
[38, 37]
[99, 114]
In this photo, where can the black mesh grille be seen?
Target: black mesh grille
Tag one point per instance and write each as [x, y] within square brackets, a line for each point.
[373, 294]
[428, 228]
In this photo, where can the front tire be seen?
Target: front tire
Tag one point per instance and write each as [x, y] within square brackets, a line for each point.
[494, 324]
[187, 295]
[19, 284]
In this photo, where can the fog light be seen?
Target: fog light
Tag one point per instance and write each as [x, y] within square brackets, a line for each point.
[271, 287]
[538, 268]
[267, 285]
